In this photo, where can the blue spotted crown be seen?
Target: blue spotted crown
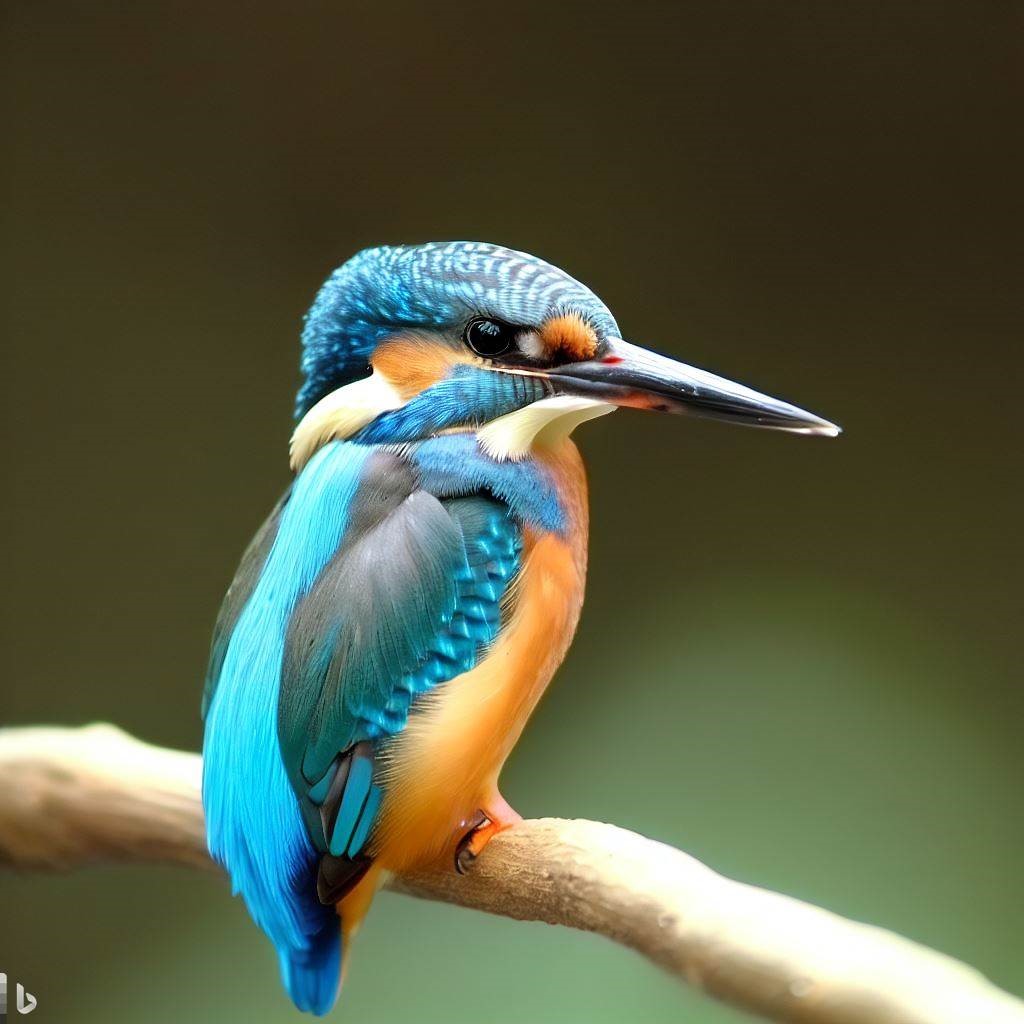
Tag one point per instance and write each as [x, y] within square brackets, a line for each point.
[438, 286]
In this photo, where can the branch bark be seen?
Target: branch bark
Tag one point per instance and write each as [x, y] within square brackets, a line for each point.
[69, 797]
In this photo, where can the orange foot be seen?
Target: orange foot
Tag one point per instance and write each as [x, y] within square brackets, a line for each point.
[485, 825]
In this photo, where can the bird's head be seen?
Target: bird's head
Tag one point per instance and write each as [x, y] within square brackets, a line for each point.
[405, 342]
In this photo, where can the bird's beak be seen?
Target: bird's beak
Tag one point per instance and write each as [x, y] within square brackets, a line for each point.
[626, 374]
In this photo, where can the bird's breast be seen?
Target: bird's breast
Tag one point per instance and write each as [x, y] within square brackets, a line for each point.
[447, 760]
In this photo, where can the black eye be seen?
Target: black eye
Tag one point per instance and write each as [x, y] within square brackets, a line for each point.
[489, 337]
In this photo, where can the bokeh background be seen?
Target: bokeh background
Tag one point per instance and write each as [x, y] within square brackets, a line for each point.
[799, 659]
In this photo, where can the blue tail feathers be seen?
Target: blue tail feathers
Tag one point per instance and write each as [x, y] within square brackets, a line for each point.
[312, 976]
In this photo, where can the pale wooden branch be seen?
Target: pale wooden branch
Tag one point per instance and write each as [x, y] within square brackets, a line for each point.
[74, 796]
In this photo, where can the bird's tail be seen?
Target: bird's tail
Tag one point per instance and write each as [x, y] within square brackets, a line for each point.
[313, 976]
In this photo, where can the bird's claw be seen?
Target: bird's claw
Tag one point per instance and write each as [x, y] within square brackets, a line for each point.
[473, 842]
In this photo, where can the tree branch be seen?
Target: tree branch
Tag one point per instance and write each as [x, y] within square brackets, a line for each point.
[74, 796]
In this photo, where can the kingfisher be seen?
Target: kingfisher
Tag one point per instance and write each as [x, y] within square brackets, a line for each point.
[397, 617]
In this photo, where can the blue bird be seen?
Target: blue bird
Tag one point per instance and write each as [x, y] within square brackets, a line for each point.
[397, 617]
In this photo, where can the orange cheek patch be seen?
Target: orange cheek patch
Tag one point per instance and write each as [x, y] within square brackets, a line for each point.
[414, 363]
[568, 338]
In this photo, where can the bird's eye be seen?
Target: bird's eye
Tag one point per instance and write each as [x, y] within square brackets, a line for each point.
[489, 337]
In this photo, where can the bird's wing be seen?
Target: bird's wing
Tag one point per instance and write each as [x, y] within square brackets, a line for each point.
[411, 598]
[237, 596]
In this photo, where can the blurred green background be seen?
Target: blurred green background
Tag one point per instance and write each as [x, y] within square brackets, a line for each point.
[798, 659]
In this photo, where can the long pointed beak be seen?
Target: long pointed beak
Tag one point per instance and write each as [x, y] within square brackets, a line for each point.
[629, 375]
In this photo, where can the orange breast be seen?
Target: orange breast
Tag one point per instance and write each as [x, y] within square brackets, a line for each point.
[446, 762]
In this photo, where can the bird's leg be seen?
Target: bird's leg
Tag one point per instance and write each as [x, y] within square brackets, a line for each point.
[494, 817]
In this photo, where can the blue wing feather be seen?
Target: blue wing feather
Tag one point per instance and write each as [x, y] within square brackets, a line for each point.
[411, 600]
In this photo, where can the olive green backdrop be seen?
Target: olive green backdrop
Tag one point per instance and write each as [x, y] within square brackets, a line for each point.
[799, 657]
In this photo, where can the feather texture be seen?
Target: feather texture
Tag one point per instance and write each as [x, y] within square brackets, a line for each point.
[411, 599]
[254, 824]
[455, 465]
[468, 395]
[437, 286]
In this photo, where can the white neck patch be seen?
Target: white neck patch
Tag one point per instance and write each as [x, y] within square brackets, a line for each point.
[341, 414]
[538, 425]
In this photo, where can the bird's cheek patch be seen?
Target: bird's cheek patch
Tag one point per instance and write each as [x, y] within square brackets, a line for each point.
[568, 339]
[413, 364]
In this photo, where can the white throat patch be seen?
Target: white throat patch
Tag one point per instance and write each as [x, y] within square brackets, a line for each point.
[540, 424]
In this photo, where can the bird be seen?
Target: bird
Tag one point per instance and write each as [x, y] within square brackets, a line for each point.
[397, 617]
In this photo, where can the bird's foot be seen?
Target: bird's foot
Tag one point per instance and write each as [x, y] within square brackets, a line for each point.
[484, 826]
